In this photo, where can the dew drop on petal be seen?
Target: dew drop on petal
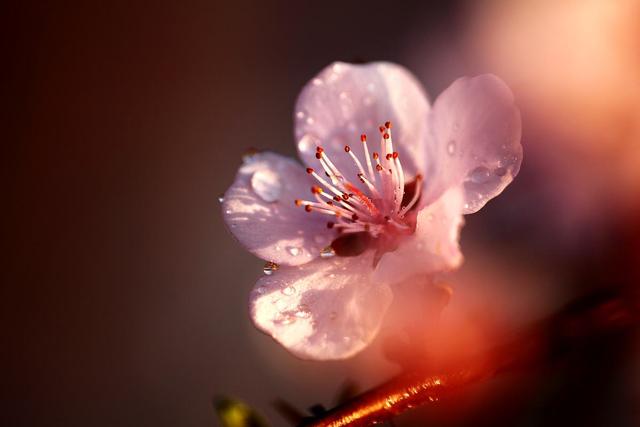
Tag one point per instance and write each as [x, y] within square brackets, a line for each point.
[480, 175]
[221, 198]
[327, 252]
[300, 115]
[261, 290]
[269, 268]
[451, 147]
[266, 184]
[293, 250]
[288, 291]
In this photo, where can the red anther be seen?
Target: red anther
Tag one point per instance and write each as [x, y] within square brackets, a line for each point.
[363, 137]
[307, 208]
[316, 189]
[347, 148]
[381, 129]
[379, 168]
[329, 202]
[387, 218]
[319, 149]
[330, 224]
[354, 217]
[298, 202]
[309, 170]
[387, 125]
[385, 135]
[389, 156]
[375, 156]
[319, 155]
[345, 196]
[395, 154]
[419, 176]
[336, 198]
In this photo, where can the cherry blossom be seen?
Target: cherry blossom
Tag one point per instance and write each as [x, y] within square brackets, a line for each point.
[380, 200]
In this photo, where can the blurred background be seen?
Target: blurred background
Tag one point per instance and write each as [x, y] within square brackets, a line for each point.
[125, 298]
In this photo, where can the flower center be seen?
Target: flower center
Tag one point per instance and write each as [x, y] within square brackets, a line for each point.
[377, 208]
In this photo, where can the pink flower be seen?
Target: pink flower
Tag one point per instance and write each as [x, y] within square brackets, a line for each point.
[381, 201]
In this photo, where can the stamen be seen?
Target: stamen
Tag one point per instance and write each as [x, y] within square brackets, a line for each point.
[363, 138]
[414, 199]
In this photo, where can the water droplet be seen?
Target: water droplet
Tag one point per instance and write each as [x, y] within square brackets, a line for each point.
[300, 115]
[317, 82]
[261, 290]
[327, 252]
[221, 198]
[480, 175]
[293, 250]
[303, 311]
[269, 268]
[451, 147]
[228, 211]
[332, 276]
[288, 290]
[310, 120]
[266, 184]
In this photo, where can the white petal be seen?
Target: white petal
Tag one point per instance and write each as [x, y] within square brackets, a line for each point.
[346, 100]
[434, 245]
[474, 140]
[326, 309]
[259, 209]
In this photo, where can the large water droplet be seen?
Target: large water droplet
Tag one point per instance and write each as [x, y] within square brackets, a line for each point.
[293, 250]
[266, 184]
[221, 198]
[327, 252]
[451, 147]
[480, 175]
[270, 267]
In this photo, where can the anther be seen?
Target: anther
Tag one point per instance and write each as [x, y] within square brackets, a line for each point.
[354, 217]
[347, 148]
[319, 149]
[389, 156]
[319, 155]
[385, 135]
[363, 137]
[381, 129]
[375, 156]
[395, 154]
[316, 189]
[345, 197]
[307, 208]
[379, 168]
[387, 125]
[298, 202]
[309, 170]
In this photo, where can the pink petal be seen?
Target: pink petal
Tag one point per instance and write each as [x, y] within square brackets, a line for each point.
[259, 209]
[474, 140]
[434, 245]
[326, 309]
[346, 100]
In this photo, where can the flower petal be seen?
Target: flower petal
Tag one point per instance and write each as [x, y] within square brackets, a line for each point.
[259, 209]
[324, 310]
[434, 245]
[346, 100]
[474, 140]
